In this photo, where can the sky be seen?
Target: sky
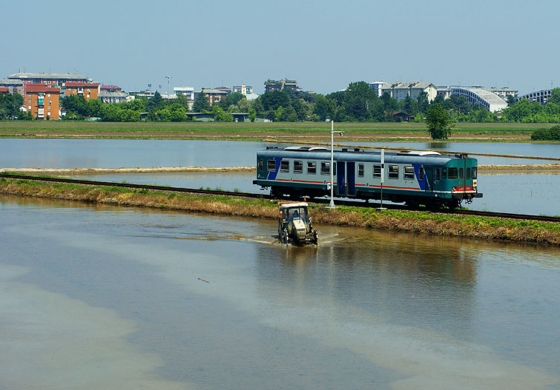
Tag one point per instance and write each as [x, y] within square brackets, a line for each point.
[323, 44]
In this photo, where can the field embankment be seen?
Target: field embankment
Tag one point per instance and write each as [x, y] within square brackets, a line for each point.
[407, 221]
[298, 132]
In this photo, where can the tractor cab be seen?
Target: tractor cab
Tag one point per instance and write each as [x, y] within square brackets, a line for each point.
[294, 224]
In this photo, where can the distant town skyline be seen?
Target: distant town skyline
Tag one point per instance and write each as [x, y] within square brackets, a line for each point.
[324, 45]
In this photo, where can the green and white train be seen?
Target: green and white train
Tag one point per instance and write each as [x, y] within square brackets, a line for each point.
[414, 177]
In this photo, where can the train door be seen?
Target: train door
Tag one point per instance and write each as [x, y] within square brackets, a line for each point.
[351, 174]
[340, 178]
[463, 175]
[429, 178]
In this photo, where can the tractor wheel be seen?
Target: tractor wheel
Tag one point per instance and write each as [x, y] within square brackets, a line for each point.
[285, 237]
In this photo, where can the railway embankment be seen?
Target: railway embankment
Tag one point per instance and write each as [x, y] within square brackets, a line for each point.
[241, 169]
[419, 222]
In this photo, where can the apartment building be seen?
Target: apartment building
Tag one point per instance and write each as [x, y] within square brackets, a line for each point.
[42, 101]
[87, 90]
[279, 85]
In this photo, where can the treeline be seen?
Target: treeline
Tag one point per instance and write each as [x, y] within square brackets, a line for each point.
[357, 103]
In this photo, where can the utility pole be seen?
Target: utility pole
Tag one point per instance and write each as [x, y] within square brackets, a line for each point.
[331, 205]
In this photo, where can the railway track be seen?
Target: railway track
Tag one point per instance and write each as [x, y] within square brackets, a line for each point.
[541, 218]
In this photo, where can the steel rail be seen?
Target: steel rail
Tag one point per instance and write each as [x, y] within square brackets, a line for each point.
[529, 217]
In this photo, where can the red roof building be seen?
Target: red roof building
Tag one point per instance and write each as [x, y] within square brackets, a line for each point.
[87, 90]
[42, 101]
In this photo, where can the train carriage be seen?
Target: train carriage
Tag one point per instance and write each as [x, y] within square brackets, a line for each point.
[415, 177]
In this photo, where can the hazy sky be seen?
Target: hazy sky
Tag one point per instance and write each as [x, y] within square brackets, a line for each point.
[323, 44]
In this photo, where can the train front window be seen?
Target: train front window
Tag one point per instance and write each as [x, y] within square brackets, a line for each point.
[474, 172]
[444, 173]
[284, 166]
[453, 173]
[260, 165]
[271, 165]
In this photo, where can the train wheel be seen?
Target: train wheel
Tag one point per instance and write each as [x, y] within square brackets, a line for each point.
[413, 204]
[453, 204]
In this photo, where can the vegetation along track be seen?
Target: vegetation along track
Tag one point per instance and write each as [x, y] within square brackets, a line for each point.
[542, 218]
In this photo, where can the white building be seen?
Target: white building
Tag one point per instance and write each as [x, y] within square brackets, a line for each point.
[400, 90]
[243, 89]
[112, 97]
[477, 96]
[541, 96]
[187, 92]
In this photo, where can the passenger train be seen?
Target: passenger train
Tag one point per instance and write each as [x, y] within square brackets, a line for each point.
[414, 177]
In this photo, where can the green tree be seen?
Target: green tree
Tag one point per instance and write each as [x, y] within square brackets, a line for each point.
[554, 96]
[324, 108]
[252, 114]
[94, 107]
[278, 114]
[75, 104]
[220, 115]
[273, 100]
[201, 103]
[156, 102]
[438, 122]
[423, 102]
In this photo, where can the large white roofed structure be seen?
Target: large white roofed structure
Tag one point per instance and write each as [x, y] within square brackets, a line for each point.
[481, 97]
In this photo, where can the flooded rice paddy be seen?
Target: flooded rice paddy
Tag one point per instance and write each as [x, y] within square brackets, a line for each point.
[101, 297]
[532, 193]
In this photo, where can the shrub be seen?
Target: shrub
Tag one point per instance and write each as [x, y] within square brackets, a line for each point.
[552, 134]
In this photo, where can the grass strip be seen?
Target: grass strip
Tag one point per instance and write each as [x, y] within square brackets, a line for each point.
[423, 222]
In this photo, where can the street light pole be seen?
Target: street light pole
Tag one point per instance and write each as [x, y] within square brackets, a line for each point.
[331, 205]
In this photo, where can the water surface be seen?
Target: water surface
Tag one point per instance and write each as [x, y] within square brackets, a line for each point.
[102, 297]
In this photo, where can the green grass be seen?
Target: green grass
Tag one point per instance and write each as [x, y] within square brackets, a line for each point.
[256, 128]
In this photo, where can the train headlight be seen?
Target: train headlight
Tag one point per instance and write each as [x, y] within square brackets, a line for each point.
[474, 183]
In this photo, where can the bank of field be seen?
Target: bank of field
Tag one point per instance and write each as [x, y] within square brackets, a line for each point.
[247, 131]
[407, 221]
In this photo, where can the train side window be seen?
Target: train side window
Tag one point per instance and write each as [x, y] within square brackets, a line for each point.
[460, 173]
[444, 173]
[377, 171]
[360, 170]
[474, 172]
[421, 174]
[393, 171]
[260, 164]
[311, 168]
[284, 166]
[438, 174]
[453, 173]
[326, 168]
[298, 166]
[271, 165]
[409, 173]
[468, 173]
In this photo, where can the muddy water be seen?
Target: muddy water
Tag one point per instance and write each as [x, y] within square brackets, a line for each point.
[100, 297]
